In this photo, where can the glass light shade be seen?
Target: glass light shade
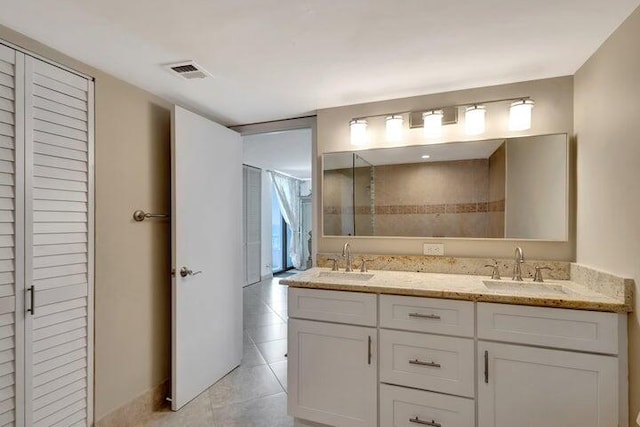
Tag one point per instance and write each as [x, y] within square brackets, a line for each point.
[474, 119]
[358, 132]
[520, 115]
[394, 128]
[432, 123]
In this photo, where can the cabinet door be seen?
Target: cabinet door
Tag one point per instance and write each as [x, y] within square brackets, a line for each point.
[332, 373]
[527, 386]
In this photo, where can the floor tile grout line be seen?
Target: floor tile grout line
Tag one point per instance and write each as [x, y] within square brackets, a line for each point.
[246, 402]
[277, 379]
[242, 402]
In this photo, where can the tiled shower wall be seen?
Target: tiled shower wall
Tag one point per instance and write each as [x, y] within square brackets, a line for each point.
[462, 198]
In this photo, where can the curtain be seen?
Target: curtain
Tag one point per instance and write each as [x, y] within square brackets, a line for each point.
[288, 192]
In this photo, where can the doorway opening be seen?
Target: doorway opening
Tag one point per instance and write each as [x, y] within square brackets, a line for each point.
[280, 238]
[284, 161]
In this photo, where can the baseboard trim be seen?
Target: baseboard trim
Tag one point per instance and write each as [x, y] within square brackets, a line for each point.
[139, 410]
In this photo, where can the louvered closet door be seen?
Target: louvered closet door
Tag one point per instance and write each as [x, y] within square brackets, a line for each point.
[58, 243]
[252, 229]
[11, 235]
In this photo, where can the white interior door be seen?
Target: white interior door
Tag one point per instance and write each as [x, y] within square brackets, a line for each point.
[206, 219]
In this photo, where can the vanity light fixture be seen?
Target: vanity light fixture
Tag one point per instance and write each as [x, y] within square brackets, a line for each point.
[358, 132]
[434, 119]
[394, 127]
[432, 123]
[520, 115]
[474, 119]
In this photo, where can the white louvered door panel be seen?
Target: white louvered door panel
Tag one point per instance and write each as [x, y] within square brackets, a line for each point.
[11, 236]
[59, 232]
[253, 188]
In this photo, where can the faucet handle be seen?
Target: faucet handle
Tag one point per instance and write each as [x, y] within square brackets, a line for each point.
[363, 266]
[537, 277]
[335, 263]
[495, 273]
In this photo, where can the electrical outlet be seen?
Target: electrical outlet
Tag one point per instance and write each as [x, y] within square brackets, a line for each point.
[433, 249]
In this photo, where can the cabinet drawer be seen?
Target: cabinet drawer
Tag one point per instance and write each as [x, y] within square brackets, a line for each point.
[439, 316]
[549, 327]
[403, 407]
[333, 306]
[430, 362]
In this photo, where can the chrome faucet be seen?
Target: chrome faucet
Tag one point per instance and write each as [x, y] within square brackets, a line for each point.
[346, 252]
[517, 266]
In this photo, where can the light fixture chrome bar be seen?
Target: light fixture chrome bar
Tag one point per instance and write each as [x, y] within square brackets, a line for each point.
[450, 117]
[444, 108]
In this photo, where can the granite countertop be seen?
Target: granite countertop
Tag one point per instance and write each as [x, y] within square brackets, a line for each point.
[555, 293]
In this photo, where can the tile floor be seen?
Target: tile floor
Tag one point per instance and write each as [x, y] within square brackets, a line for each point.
[253, 394]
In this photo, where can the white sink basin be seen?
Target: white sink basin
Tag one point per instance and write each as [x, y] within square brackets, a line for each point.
[525, 287]
[357, 277]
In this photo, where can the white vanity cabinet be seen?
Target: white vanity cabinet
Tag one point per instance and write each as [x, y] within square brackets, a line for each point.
[563, 384]
[333, 367]
[443, 363]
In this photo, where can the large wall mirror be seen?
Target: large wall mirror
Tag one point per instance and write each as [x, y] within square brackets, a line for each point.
[514, 188]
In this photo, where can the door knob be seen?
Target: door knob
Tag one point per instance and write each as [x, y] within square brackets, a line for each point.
[185, 271]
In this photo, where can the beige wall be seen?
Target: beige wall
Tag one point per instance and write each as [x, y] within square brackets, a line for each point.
[553, 113]
[607, 92]
[132, 283]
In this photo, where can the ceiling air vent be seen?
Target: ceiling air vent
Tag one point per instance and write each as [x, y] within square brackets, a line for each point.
[188, 70]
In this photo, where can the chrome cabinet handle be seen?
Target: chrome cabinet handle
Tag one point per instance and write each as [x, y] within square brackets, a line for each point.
[184, 272]
[431, 423]
[32, 300]
[421, 363]
[425, 316]
[486, 367]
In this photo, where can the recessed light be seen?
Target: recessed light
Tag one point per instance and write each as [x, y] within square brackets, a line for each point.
[425, 156]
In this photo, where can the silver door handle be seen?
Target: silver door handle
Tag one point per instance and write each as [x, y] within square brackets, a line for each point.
[425, 316]
[421, 363]
[184, 272]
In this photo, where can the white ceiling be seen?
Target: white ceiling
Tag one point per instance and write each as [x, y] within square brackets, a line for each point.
[275, 59]
[288, 152]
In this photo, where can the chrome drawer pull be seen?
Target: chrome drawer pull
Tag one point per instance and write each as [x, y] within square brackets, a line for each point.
[425, 316]
[431, 423]
[421, 363]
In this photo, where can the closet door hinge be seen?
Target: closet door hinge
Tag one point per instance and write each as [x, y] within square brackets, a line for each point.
[32, 300]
